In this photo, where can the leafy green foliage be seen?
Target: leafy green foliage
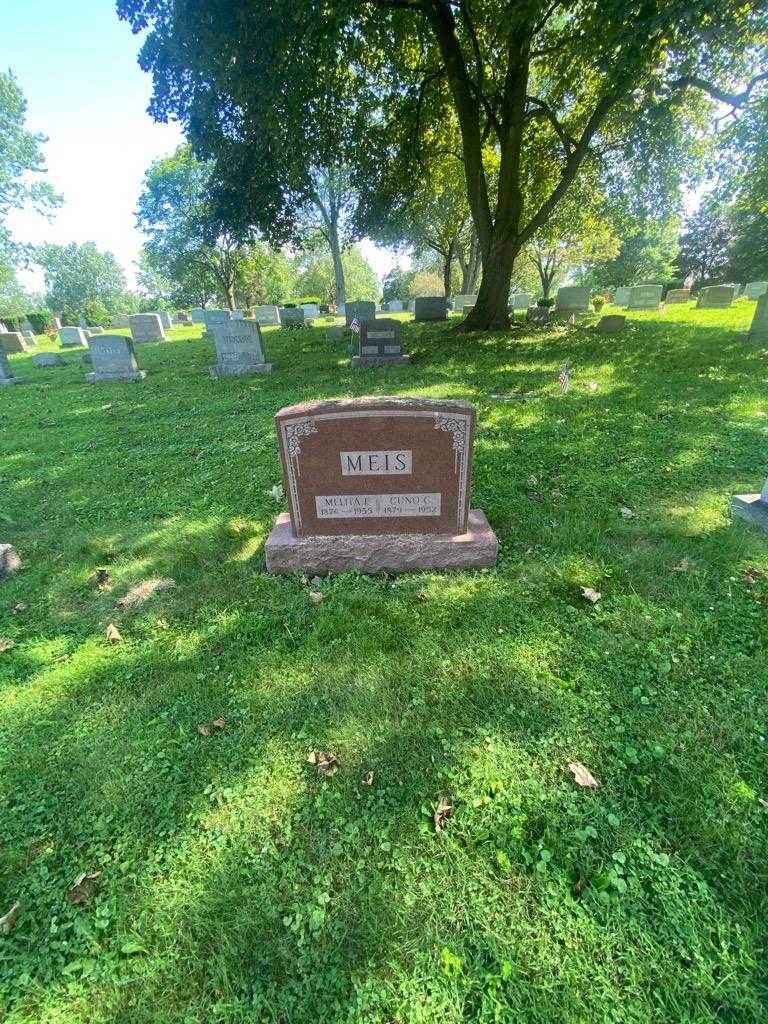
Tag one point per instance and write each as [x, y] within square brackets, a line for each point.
[646, 255]
[705, 243]
[316, 276]
[78, 274]
[237, 884]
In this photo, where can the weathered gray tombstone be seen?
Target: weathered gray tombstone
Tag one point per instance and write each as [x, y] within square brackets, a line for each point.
[754, 289]
[13, 341]
[341, 309]
[395, 306]
[621, 295]
[267, 316]
[342, 461]
[645, 296]
[716, 296]
[237, 314]
[759, 328]
[145, 327]
[430, 307]
[238, 349]
[521, 300]
[212, 317]
[119, 321]
[91, 332]
[72, 337]
[411, 305]
[363, 311]
[380, 344]
[311, 310]
[6, 373]
[572, 299]
[334, 333]
[113, 358]
[292, 317]
[197, 315]
[752, 507]
[45, 359]
[165, 320]
[460, 301]
[613, 323]
[677, 296]
[538, 315]
[29, 337]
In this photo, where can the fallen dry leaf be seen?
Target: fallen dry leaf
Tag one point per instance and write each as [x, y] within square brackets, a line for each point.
[593, 385]
[101, 579]
[579, 887]
[113, 634]
[106, 407]
[141, 592]
[582, 776]
[7, 920]
[593, 596]
[685, 565]
[423, 595]
[626, 513]
[83, 887]
[316, 597]
[217, 650]
[326, 763]
[219, 723]
[162, 623]
[203, 729]
[367, 779]
[20, 606]
[751, 576]
[6, 643]
[443, 811]
[532, 481]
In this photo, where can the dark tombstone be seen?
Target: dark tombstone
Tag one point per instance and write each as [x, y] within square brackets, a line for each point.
[380, 344]
[433, 307]
[378, 484]
[614, 323]
[363, 311]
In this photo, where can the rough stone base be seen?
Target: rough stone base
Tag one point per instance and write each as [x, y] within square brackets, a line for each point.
[239, 371]
[361, 362]
[393, 553]
[751, 508]
[8, 380]
[97, 378]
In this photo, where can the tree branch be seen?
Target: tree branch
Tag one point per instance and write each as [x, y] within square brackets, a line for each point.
[736, 99]
[569, 143]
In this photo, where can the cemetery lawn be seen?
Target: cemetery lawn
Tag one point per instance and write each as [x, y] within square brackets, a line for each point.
[236, 883]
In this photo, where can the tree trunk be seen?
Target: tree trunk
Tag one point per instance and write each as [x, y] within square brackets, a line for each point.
[447, 264]
[491, 312]
[338, 266]
[471, 274]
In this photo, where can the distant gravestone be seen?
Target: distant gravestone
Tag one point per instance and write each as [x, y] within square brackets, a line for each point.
[612, 324]
[93, 331]
[380, 344]
[754, 289]
[145, 327]
[678, 296]
[119, 322]
[716, 296]
[6, 374]
[26, 327]
[13, 341]
[238, 349]
[395, 306]
[46, 359]
[621, 295]
[460, 301]
[292, 317]
[197, 315]
[267, 316]
[311, 309]
[72, 337]
[378, 484]
[211, 317]
[341, 309]
[165, 320]
[182, 317]
[113, 358]
[752, 507]
[429, 308]
[538, 315]
[645, 296]
[572, 299]
[363, 311]
[521, 300]
[29, 337]
[759, 329]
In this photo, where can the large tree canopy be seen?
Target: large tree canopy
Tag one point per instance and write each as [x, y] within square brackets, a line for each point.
[533, 89]
[78, 274]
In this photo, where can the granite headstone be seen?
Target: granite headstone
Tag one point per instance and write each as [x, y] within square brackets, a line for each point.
[572, 299]
[430, 307]
[267, 316]
[364, 311]
[716, 296]
[238, 349]
[72, 337]
[621, 295]
[645, 296]
[678, 296]
[146, 327]
[754, 289]
[13, 341]
[6, 373]
[380, 344]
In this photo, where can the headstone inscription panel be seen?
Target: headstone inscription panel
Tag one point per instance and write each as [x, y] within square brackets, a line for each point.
[146, 327]
[72, 337]
[754, 289]
[238, 349]
[430, 307]
[572, 299]
[378, 484]
[113, 358]
[645, 296]
[6, 373]
[380, 344]
[759, 329]
[13, 341]
[716, 296]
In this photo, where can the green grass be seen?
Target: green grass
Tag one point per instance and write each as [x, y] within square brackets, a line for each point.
[237, 885]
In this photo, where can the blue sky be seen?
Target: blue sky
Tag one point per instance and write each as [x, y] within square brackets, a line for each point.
[76, 64]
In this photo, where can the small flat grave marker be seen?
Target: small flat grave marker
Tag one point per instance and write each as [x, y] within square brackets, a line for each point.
[380, 345]
[45, 359]
[378, 484]
[238, 349]
[113, 358]
[613, 323]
